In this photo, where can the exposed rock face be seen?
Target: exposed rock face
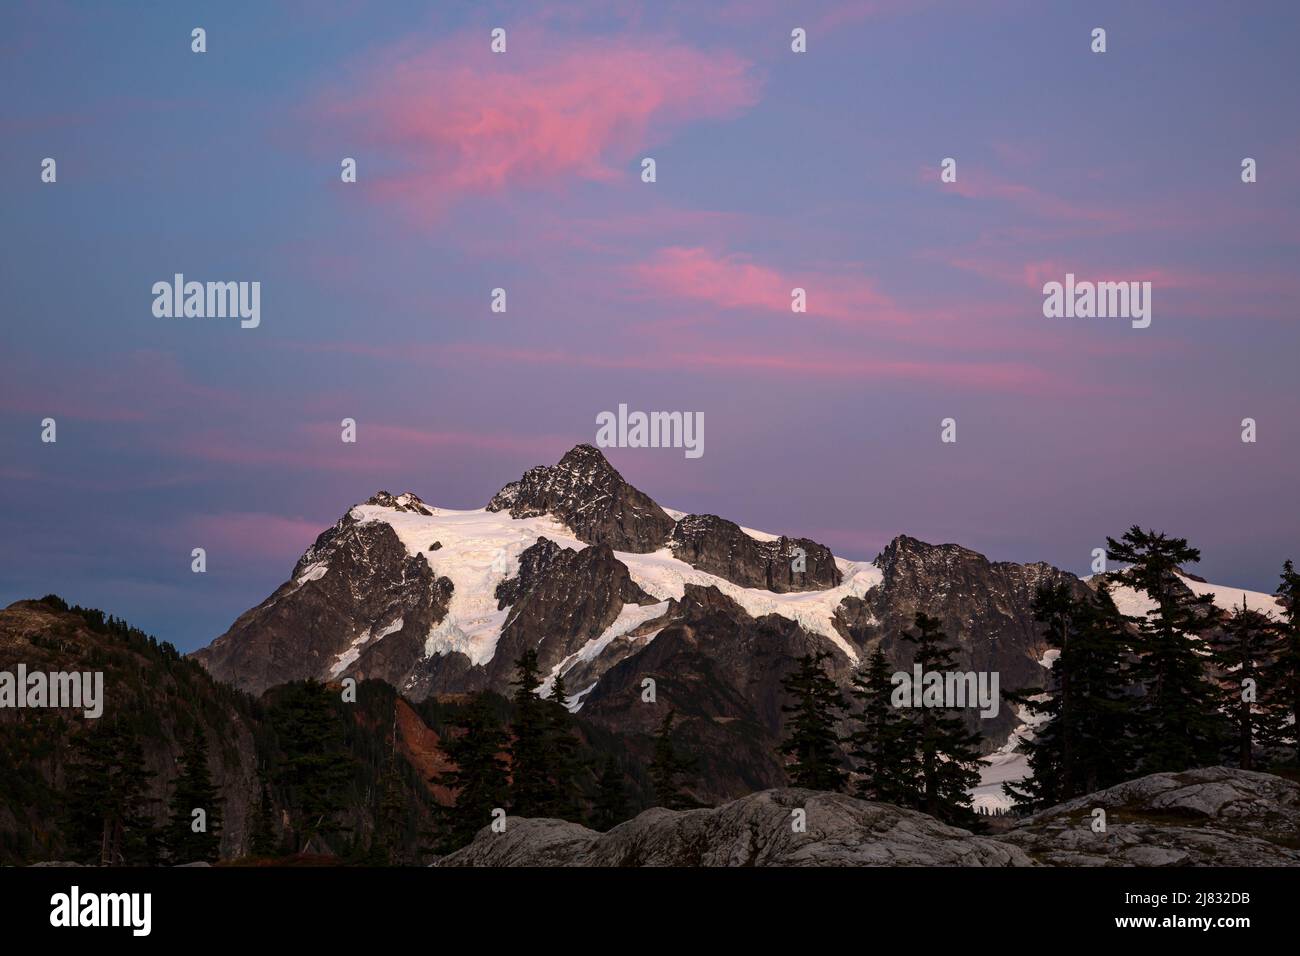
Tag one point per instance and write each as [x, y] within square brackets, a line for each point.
[721, 547]
[591, 497]
[561, 600]
[1216, 816]
[753, 831]
[355, 596]
[984, 607]
[720, 670]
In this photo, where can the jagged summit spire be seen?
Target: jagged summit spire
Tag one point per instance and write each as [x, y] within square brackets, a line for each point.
[588, 494]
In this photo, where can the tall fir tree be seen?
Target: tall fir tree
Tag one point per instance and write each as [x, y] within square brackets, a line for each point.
[884, 742]
[388, 843]
[316, 766]
[194, 791]
[566, 766]
[1241, 648]
[947, 753]
[532, 791]
[477, 748]
[611, 797]
[667, 768]
[1081, 719]
[812, 745]
[1281, 678]
[262, 840]
[1180, 726]
[108, 821]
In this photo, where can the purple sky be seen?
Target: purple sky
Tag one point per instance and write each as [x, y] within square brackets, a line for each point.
[775, 170]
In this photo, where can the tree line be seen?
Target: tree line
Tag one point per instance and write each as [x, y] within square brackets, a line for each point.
[531, 765]
[1185, 685]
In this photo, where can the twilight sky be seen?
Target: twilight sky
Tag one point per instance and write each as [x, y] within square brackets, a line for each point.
[775, 170]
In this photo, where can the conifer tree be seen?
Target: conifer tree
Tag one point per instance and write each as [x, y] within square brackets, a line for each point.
[667, 768]
[107, 819]
[194, 791]
[262, 840]
[479, 778]
[566, 766]
[532, 791]
[1180, 726]
[812, 744]
[387, 846]
[1281, 678]
[1081, 720]
[884, 743]
[611, 797]
[948, 754]
[1240, 650]
[316, 767]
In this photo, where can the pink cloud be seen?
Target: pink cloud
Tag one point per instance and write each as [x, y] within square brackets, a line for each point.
[733, 281]
[453, 119]
[982, 185]
[990, 376]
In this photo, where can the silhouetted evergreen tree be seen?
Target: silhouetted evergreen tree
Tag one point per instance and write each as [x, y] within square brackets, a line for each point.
[948, 754]
[667, 768]
[611, 797]
[107, 821]
[885, 742]
[1081, 720]
[1180, 726]
[532, 791]
[262, 840]
[479, 779]
[1281, 678]
[565, 764]
[811, 741]
[316, 767]
[388, 845]
[194, 791]
[1241, 649]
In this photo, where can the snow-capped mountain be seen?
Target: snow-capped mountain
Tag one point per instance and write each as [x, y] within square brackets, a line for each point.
[610, 588]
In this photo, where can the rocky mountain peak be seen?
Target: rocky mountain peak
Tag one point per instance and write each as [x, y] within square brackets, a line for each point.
[588, 494]
[906, 552]
[406, 501]
[722, 547]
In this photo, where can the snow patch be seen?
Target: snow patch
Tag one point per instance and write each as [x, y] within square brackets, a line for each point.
[1008, 764]
[629, 619]
[481, 548]
[345, 660]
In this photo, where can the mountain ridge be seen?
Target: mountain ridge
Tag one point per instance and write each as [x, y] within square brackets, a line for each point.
[610, 589]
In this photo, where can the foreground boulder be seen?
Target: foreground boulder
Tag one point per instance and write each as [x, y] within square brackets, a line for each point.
[1214, 816]
[753, 831]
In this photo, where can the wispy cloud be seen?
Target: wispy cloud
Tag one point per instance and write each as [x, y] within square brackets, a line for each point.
[451, 119]
[735, 281]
